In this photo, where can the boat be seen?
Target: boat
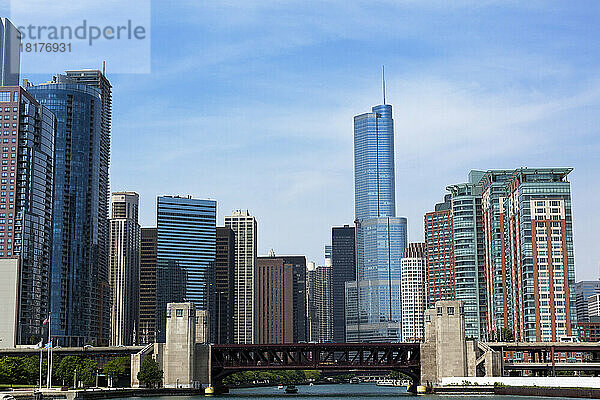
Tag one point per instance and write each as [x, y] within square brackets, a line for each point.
[390, 382]
[291, 389]
[280, 387]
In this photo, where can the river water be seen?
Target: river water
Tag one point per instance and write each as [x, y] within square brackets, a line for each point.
[345, 392]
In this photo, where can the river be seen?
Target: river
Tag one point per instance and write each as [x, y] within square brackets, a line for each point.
[344, 392]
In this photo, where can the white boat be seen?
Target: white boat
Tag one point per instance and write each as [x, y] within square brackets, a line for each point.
[390, 382]
[280, 387]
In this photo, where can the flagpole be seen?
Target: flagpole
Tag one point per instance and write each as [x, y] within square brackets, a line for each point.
[49, 352]
[41, 357]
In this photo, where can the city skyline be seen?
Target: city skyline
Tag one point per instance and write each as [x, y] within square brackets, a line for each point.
[450, 90]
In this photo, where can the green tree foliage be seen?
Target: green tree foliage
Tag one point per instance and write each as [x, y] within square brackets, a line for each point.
[20, 370]
[86, 370]
[285, 377]
[117, 367]
[150, 374]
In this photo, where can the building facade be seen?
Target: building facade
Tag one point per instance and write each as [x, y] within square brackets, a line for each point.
[124, 269]
[439, 253]
[380, 235]
[324, 302]
[413, 293]
[27, 131]
[80, 296]
[245, 228]
[185, 252]
[10, 53]
[223, 287]
[312, 320]
[281, 299]
[147, 290]
[583, 290]
[343, 270]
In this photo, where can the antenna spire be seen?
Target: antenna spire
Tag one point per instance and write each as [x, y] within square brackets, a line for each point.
[383, 81]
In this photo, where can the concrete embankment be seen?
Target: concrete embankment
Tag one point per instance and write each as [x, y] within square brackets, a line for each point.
[580, 393]
[103, 393]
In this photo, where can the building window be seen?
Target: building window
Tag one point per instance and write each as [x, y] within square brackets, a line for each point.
[450, 310]
[439, 311]
[4, 96]
[179, 312]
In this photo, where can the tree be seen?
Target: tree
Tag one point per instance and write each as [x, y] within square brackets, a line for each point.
[86, 371]
[116, 367]
[507, 335]
[66, 369]
[150, 375]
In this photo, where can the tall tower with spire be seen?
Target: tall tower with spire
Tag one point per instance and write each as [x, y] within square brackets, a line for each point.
[381, 239]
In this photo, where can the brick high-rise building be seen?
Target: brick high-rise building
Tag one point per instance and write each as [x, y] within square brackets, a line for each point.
[439, 253]
[280, 299]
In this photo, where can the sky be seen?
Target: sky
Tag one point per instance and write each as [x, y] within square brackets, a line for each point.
[251, 102]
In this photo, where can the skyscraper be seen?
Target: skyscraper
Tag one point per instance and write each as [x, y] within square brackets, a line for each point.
[281, 299]
[413, 293]
[124, 269]
[80, 298]
[185, 253]
[10, 53]
[27, 134]
[312, 320]
[343, 269]
[439, 253]
[380, 235]
[583, 290]
[223, 287]
[147, 307]
[539, 246]
[245, 228]
[324, 301]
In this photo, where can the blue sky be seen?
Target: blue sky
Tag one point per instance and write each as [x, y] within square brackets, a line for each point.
[251, 103]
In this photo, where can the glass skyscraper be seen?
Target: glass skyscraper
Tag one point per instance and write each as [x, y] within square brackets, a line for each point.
[79, 278]
[373, 311]
[185, 253]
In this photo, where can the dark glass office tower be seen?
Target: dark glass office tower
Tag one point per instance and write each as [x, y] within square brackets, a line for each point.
[27, 137]
[79, 279]
[222, 287]
[10, 53]
[186, 245]
[147, 324]
[343, 269]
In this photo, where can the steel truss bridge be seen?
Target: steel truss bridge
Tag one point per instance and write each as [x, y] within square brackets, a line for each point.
[402, 357]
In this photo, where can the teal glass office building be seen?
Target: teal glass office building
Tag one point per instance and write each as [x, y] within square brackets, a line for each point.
[185, 253]
[373, 312]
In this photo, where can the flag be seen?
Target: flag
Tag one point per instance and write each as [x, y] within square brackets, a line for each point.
[39, 345]
[48, 345]
[46, 321]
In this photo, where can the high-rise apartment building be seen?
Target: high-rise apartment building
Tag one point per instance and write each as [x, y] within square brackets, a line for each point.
[147, 290]
[124, 269]
[185, 253]
[312, 319]
[280, 299]
[467, 235]
[593, 303]
[223, 287]
[413, 293]
[10, 53]
[539, 246]
[328, 251]
[324, 301]
[80, 296]
[27, 131]
[380, 235]
[245, 228]
[343, 270]
[583, 290]
[439, 253]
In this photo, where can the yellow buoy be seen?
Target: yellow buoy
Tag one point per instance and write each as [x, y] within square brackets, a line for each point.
[209, 390]
[421, 389]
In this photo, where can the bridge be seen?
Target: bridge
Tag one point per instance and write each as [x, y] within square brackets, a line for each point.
[401, 357]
